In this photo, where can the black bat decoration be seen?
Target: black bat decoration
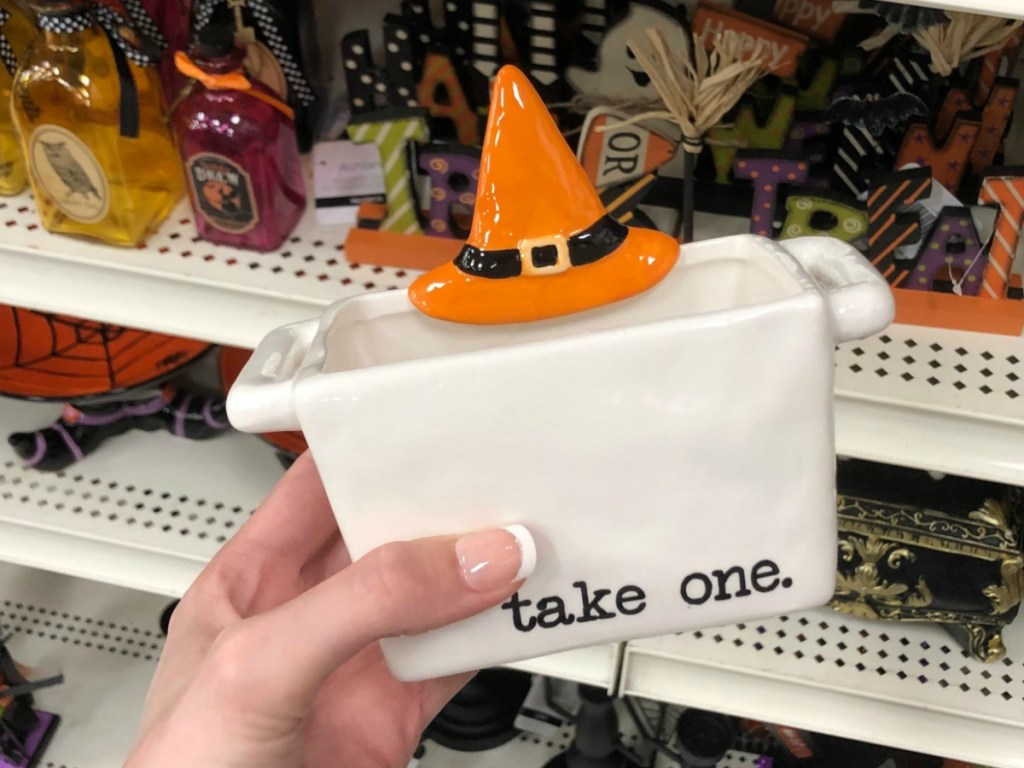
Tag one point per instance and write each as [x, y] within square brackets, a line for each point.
[906, 17]
[875, 112]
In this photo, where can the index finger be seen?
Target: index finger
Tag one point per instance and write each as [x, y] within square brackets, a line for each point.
[294, 523]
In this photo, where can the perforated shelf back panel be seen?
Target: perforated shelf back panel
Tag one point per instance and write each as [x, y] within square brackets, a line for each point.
[903, 684]
[897, 400]
[104, 639]
[956, 373]
[935, 399]
[177, 283]
[146, 510]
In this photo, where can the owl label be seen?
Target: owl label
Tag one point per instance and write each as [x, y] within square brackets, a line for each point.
[223, 192]
[69, 173]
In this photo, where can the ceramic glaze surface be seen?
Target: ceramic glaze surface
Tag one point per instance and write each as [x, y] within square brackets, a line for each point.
[541, 244]
[673, 472]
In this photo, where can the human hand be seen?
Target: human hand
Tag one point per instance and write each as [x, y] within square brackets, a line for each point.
[272, 659]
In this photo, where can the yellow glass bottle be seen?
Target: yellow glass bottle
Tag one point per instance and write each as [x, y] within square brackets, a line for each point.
[16, 32]
[87, 104]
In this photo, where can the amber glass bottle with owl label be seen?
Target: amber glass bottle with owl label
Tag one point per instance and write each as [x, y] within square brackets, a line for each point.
[238, 145]
[16, 32]
[87, 105]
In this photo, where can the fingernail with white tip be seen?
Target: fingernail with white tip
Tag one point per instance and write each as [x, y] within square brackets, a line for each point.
[493, 559]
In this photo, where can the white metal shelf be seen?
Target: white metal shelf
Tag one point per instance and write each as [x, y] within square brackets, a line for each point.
[892, 404]
[177, 283]
[1011, 9]
[148, 510]
[106, 640]
[934, 399]
[904, 685]
[145, 511]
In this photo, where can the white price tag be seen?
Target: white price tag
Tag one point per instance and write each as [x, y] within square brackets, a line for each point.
[345, 174]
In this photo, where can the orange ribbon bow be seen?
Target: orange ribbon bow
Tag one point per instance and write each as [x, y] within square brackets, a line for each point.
[229, 81]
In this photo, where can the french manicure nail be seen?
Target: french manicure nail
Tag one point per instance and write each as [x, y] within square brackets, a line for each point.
[494, 559]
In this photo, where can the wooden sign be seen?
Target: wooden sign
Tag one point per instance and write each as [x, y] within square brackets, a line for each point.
[780, 47]
[814, 17]
[612, 153]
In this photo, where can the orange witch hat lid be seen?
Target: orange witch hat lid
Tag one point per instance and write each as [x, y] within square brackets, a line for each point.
[541, 243]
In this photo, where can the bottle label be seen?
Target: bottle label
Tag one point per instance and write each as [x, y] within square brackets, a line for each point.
[223, 192]
[69, 173]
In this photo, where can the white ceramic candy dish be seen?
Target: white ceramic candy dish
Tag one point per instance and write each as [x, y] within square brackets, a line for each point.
[674, 474]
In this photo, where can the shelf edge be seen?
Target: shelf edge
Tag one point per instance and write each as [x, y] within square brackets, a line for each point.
[95, 560]
[801, 705]
[923, 439]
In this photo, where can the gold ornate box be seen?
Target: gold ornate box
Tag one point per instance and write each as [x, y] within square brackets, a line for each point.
[913, 547]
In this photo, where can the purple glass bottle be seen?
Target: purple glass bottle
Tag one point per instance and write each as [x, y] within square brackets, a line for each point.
[237, 143]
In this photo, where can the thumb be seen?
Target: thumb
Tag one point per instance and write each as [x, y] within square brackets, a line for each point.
[401, 588]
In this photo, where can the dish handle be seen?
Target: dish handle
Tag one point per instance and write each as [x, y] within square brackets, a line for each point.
[261, 398]
[861, 300]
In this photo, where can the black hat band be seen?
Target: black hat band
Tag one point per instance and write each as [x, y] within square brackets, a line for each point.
[585, 247]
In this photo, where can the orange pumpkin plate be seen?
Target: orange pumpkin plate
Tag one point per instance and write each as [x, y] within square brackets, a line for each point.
[48, 356]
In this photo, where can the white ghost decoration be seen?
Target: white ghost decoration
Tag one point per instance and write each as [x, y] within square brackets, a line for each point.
[618, 76]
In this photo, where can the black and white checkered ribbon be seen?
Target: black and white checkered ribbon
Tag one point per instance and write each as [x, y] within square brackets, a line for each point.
[121, 49]
[7, 54]
[65, 23]
[144, 22]
[298, 84]
[106, 17]
[113, 23]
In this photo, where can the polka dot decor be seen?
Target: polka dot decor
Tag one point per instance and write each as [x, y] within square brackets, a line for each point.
[953, 253]
[808, 213]
[768, 171]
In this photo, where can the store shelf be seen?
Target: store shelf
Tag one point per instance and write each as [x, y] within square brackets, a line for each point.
[934, 399]
[1009, 8]
[148, 510]
[893, 403]
[178, 284]
[597, 665]
[106, 642]
[528, 751]
[903, 685]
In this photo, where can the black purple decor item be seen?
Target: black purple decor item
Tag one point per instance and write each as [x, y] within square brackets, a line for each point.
[25, 732]
[82, 428]
[596, 743]
[482, 715]
[876, 112]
